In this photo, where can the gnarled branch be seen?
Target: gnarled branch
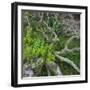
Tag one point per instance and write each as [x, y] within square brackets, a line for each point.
[68, 61]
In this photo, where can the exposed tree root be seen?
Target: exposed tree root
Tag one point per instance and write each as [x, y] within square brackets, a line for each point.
[68, 61]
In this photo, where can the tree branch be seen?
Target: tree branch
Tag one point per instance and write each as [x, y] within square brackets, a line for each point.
[68, 61]
[69, 40]
[51, 30]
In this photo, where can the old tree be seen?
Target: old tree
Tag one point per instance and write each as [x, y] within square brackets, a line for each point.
[51, 43]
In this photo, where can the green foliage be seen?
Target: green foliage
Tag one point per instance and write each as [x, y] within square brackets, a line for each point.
[36, 47]
[75, 43]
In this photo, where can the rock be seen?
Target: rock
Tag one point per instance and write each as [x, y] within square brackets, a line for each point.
[27, 70]
[71, 23]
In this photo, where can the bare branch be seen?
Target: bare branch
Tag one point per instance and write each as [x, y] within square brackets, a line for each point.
[45, 36]
[68, 61]
[51, 30]
[27, 20]
[69, 40]
[66, 49]
[59, 72]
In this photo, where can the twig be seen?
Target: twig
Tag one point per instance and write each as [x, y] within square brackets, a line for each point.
[51, 30]
[27, 20]
[69, 40]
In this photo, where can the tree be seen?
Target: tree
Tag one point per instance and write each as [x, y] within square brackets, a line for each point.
[48, 48]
